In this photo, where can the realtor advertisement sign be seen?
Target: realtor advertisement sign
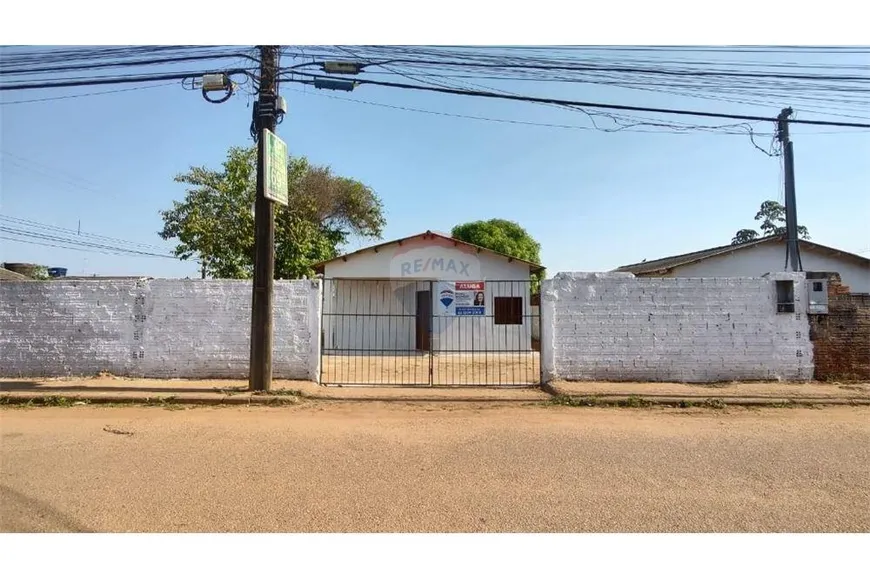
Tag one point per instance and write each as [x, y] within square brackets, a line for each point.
[462, 298]
[276, 168]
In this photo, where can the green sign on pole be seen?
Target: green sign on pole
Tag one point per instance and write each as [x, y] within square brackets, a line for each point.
[276, 168]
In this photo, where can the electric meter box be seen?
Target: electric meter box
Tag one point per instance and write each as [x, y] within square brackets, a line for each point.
[817, 296]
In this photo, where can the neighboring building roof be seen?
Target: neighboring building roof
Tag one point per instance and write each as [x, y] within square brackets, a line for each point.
[77, 278]
[663, 265]
[534, 268]
[10, 275]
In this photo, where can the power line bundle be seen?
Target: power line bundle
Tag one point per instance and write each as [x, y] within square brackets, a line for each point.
[28, 69]
[821, 85]
[755, 76]
[40, 234]
[26, 62]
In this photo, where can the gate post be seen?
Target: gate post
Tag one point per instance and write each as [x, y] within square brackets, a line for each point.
[548, 330]
[315, 325]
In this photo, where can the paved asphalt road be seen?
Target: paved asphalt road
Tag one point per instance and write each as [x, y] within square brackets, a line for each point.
[436, 467]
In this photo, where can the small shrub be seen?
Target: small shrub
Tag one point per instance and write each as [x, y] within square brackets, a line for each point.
[716, 403]
[56, 401]
[635, 402]
[569, 401]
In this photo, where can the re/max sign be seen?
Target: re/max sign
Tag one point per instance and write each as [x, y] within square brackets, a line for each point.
[420, 265]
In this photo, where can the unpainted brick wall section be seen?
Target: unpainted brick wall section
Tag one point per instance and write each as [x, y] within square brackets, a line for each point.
[841, 338]
[152, 328]
[614, 326]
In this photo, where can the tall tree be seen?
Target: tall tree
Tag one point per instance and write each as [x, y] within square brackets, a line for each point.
[502, 236]
[215, 223]
[771, 214]
[743, 236]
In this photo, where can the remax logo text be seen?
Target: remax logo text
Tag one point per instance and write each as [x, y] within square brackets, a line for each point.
[435, 266]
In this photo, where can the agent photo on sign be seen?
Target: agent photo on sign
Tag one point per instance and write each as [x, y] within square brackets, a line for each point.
[478, 299]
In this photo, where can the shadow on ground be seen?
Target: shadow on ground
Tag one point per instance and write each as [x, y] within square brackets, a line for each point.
[15, 386]
[21, 513]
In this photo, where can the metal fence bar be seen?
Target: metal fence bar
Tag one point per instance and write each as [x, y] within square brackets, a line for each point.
[374, 333]
[474, 350]
[431, 330]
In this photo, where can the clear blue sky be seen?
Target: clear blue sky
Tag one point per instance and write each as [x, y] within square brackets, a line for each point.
[594, 200]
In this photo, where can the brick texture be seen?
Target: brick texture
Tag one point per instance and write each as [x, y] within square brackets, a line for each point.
[841, 338]
[67, 328]
[617, 327]
[156, 328]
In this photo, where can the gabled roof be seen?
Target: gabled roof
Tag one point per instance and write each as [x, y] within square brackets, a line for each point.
[10, 275]
[533, 268]
[663, 265]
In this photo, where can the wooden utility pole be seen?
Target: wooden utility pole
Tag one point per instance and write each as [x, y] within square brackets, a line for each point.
[260, 375]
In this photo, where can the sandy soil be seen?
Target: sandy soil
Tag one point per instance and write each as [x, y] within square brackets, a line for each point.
[803, 390]
[121, 387]
[435, 467]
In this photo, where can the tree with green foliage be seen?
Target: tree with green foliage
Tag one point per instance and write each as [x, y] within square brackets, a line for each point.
[505, 237]
[40, 273]
[772, 217]
[215, 221]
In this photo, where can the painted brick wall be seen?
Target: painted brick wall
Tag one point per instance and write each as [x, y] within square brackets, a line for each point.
[614, 326]
[67, 328]
[152, 328]
[841, 338]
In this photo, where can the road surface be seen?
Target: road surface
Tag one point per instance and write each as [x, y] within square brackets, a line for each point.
[434, 468]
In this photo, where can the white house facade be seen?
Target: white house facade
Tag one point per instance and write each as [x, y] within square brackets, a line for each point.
[427, 292]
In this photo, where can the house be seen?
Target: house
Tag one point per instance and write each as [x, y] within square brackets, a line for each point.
[427, 295]
[29, 271]
[757, 258]
[9, 275]
[95, 277]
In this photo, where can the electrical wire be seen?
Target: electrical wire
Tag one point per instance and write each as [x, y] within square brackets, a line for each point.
[443, 114]
[78, 249]
[621, 121]
[7, 70]
[592, 64]
[778, 49]
[507, 121]
[53, 173]
[769, 151]
[617, 107]
[589, 68]
[648, 75]
[63, 97]
[21, 222]
[85, 81]
[630, 123]
[81, 243]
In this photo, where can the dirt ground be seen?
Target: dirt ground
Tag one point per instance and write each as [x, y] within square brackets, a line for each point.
[123, 388]
[373, 467]
[449, 369]
[748, 390]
